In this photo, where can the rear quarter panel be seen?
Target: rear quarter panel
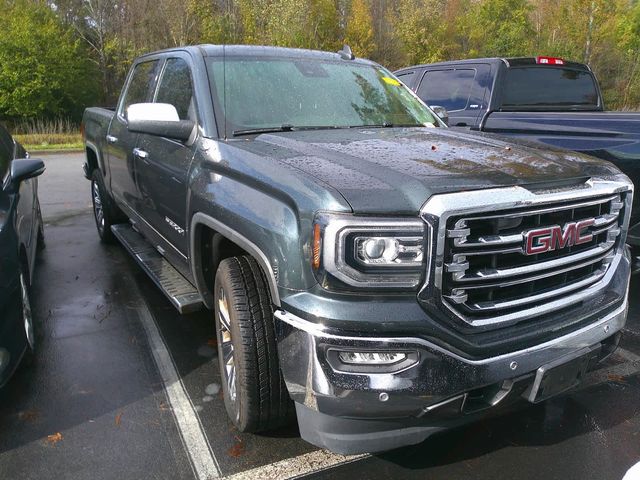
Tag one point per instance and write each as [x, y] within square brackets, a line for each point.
[96, 122]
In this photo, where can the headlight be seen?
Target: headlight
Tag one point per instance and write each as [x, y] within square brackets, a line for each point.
[369, 251]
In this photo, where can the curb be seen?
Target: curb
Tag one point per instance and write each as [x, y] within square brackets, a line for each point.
[53, 152]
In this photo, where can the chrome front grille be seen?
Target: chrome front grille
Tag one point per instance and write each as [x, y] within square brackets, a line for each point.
[480, 275]
[487, 274]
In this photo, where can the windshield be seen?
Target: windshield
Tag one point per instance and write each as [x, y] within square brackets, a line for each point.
[549, 88]
[288, 93]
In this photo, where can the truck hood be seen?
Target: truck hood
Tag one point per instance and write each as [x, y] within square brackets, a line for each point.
[397, 169]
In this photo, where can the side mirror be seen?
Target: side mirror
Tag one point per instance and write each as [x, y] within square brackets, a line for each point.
[441, 112]
[160, 119]
[24, 169]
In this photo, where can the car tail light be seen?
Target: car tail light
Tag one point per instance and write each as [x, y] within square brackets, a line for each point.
[550, 61]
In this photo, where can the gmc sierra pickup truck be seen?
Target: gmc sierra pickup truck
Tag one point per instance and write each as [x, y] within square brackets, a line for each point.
[543, 99]
[386, 276]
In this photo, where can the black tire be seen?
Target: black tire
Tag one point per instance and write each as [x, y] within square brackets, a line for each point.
[104, 212]
[261, 401]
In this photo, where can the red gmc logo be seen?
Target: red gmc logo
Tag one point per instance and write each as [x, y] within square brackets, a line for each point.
[547, 239]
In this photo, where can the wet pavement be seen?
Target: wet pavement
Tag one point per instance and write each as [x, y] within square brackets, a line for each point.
[124, 388]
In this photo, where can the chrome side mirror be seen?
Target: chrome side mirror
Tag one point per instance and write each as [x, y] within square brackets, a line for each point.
[160, 119]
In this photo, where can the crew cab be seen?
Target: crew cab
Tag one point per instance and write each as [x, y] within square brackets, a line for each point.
[542, 99]
[382, 274]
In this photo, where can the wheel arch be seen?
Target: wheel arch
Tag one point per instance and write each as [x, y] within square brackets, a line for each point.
[207, 232]
[94, 158]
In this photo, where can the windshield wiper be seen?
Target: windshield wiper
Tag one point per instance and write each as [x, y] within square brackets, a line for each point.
[253, 131]
[284, 128]
[389, 125]
[291, 128]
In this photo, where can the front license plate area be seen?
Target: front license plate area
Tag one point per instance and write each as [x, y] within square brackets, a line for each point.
[561, 375]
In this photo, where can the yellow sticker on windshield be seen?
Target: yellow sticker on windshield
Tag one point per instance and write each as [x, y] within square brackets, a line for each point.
[391, 81]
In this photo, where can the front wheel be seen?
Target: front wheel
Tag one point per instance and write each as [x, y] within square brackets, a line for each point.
[255, 395]
[27, 315]
[101, 207]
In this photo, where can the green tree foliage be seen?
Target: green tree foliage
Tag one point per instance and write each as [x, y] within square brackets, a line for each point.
[359, 29]
[500, 28]
[58, 56]
[44, 71]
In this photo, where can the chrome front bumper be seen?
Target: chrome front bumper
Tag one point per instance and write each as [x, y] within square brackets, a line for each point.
[396, 409]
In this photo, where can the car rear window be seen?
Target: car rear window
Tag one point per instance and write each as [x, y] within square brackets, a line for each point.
[450, 89]
[541, 88]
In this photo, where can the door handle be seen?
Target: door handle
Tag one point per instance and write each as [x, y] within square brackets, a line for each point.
[138, 152]
[111, 139]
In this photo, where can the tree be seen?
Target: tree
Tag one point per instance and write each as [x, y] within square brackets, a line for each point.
[628, 34]
[430, 29]
[359, 29]
[44, 70]
[500, 28]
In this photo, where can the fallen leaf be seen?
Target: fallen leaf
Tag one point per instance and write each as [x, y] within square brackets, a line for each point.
[55, 438]
[118, 419]
[237, 449]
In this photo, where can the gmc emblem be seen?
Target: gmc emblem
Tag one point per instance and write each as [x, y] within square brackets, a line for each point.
[547, 239]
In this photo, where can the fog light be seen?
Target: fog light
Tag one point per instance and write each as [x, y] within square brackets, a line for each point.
[371, 361]
[371, 358]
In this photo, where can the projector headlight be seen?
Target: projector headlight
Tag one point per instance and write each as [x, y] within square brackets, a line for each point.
[369, 251]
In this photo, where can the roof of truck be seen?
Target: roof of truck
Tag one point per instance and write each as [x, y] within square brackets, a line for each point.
[508, 61]
[209, 50]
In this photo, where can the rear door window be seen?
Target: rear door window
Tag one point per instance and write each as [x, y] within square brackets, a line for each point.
[407, 78]
[450, 89]
[140, 87]
[176, 88]
[540, 88]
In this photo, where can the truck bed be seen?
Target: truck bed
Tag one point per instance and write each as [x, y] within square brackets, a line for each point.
[96, 122]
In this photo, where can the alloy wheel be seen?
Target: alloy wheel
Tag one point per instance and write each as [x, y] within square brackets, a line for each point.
[226, 345]
[98, 209]
[27, 316]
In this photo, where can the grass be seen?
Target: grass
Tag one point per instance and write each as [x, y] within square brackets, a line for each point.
[53, 147]
[57, 134]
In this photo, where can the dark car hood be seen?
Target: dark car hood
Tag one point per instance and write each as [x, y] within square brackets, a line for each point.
[398, 169]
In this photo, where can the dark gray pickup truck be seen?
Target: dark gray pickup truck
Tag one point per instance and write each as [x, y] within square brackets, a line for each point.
[543, 99]
[387, 276]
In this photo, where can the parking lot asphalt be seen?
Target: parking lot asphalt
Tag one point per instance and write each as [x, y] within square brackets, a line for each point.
[124, 387]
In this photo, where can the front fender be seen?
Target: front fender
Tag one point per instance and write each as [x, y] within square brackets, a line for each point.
[260, 205]
[199, 220]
